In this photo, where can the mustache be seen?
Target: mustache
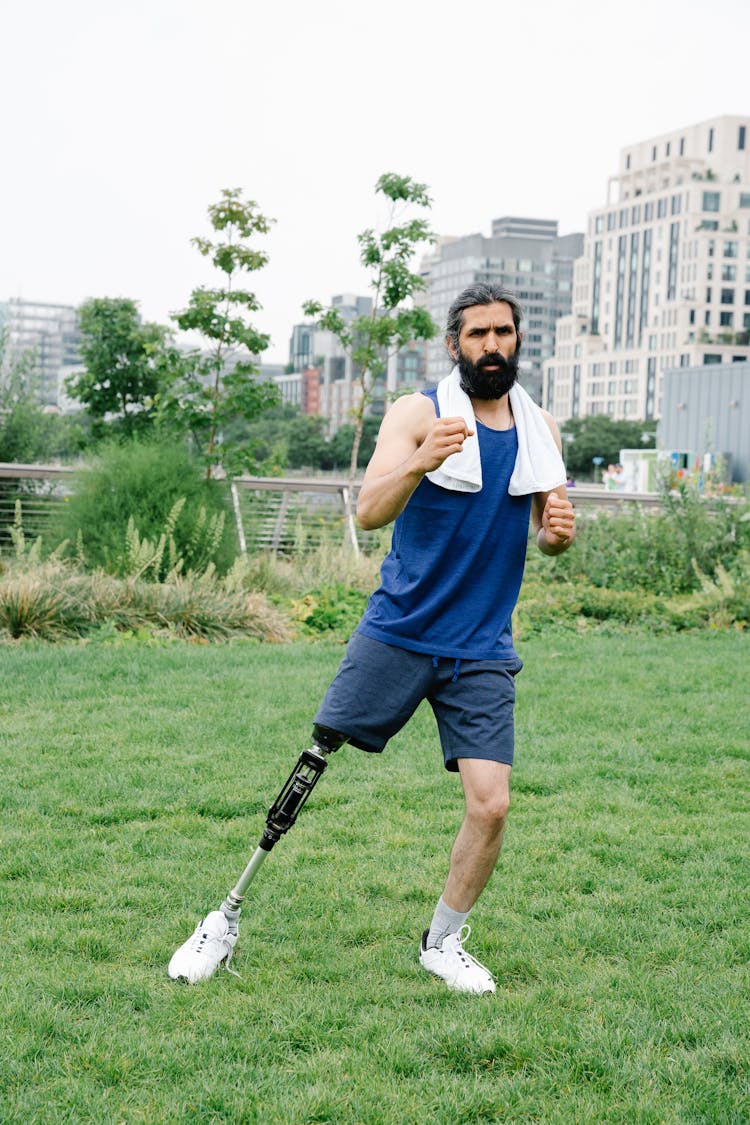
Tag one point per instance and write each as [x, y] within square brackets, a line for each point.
[496, 360]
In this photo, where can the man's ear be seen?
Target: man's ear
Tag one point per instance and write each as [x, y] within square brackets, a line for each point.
[451, 349]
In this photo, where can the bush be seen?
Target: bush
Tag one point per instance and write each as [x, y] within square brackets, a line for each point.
[129, 494]
[654, 551]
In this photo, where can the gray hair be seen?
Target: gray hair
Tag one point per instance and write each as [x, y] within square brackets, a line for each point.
[483, 293]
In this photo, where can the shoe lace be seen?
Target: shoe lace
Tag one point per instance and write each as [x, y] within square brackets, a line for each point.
[202, 938]
[463, 934]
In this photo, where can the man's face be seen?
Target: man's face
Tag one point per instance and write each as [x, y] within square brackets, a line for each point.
[487, 354]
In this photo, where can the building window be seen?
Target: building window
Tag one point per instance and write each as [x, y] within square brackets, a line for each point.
[635, 214]
[711, 357]
[728, 273]
[648, 211]
[745, 199]
[599, 224]
[661, 208]
[676, 201]
[725, 319]
[727, 296]
[708, 295]
[711, 200]
[730, 249]
[653, 153]
[710, 140]
[741, 137]
[627, 162]
[667, 148]
[747, 296]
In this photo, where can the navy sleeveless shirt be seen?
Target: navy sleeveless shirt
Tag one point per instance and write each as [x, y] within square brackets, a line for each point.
[451, 580]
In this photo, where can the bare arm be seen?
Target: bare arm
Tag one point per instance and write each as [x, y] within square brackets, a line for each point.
[412, 442]
[552, 515]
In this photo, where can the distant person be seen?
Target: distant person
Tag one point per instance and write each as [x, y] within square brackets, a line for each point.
[460, 469]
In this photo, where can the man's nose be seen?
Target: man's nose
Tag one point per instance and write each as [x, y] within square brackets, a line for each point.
[491, 343]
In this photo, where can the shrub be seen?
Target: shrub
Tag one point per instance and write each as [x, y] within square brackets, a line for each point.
[139, 484]
[654, 551]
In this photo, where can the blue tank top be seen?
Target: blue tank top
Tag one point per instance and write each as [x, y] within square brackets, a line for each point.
[451, 580]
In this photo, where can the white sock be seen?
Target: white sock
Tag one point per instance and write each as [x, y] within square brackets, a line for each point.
[444, 921]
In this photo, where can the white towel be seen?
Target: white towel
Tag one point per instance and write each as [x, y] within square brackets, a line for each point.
[539, 466]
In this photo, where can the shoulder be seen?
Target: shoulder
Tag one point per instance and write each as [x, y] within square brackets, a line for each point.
[413, 412]
[553, 427]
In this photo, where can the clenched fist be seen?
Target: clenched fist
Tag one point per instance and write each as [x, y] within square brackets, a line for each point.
[444, 437]
[558, 521]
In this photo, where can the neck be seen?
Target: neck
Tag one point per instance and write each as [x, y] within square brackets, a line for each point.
[495, 412]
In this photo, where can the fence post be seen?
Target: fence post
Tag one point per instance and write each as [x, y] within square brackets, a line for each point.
[350, 526]
[238, 518]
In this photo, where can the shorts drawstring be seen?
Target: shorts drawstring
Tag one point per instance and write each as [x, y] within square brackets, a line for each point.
[456, 668]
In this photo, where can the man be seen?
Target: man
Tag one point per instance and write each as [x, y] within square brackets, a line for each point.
[439, 625]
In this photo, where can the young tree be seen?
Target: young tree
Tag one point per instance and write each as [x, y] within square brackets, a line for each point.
[370, 340]
[125, 365]
[219, 384]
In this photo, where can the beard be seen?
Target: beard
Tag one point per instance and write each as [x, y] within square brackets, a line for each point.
[477, 382]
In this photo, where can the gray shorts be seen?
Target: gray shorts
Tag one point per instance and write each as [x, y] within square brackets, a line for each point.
[378, 687]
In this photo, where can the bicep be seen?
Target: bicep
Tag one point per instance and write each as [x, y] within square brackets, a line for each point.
[401, 432]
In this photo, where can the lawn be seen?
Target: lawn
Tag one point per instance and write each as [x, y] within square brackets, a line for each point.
[136, 779]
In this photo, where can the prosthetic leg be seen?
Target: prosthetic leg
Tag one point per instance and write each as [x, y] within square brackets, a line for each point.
[287, 806]
[214, 939]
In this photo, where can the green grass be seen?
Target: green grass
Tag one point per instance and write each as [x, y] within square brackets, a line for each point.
[135, 783]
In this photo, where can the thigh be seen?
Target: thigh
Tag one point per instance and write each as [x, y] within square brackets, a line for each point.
[375, 691]
[486, 785]
[475, 712]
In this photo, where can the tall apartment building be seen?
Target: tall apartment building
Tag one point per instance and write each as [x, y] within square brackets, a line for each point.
[49, 335]
[664, 280]
[528, 257]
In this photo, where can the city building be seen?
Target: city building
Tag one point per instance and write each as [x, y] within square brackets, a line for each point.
[528, 257]
[664, 278]
[323, 379]
[50, 337]
[706, 418]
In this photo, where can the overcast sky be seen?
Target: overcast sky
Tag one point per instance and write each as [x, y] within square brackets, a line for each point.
[122, 122]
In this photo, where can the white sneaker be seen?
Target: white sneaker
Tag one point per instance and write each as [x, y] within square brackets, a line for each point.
[454, 965]
[202, 953]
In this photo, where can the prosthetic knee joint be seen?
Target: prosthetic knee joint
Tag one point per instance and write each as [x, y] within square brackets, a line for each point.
[288, 805]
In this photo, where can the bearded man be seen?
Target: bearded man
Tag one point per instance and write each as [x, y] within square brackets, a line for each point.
[460, 469]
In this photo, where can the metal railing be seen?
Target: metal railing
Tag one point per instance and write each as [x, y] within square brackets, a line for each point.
[283, 515]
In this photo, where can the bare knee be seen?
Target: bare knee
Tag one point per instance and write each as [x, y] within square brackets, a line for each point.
[489, 811]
